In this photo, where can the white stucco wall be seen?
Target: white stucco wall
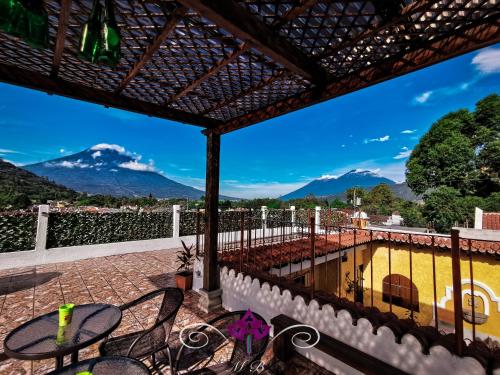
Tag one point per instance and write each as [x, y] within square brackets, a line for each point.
[242, 293]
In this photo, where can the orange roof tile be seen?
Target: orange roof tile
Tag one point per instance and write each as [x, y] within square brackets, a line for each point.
[491, 220]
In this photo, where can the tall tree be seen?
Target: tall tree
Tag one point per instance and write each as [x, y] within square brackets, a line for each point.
[461, 150]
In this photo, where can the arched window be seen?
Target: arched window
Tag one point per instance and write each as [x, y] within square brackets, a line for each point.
[400, 291]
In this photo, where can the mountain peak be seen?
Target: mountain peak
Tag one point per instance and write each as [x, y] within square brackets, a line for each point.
[111, 169]
[328, 185]
[364, 172]
[108, 147]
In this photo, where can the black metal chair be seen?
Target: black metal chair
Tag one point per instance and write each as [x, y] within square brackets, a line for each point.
[230, 353]
[149, 342]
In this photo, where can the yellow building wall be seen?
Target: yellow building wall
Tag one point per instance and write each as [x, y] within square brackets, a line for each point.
[485, 271]
[326, 274]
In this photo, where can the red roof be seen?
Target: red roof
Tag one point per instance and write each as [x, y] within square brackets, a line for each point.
[491, 220]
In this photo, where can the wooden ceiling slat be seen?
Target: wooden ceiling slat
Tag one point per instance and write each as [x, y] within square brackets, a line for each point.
[412, 8]
[227, 64]
[477, 35]
[60, 37]
[243, 25]
[294, 13]
[260, 85]
[34, 80]
[150, 50]
[210, 73]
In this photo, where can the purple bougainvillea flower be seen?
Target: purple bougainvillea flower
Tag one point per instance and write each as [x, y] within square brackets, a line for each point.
[248, 325]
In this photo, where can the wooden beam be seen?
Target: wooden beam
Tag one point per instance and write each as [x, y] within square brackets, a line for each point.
[293, 13]
[150, 50]
[210, 273]
[243, 25]
[34, 80]
[62, 28]
[210, 73]
[485, 32]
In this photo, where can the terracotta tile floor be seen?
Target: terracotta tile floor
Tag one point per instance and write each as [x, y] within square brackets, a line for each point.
[32, 291]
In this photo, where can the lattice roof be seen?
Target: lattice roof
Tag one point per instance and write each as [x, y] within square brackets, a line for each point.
[227, 64]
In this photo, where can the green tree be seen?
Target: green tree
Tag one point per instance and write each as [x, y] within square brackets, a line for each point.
[337, 203]
[467, 206]
[461, 150]
[412, 214]
[380, 200]
[444, 156]
[360, 193]
[442, 208]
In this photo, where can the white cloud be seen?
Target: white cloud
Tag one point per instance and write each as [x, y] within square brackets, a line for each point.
[385, 138]
[136, 166]
[7, 151]
[424, 97]
[408, 131]
[69, 164]
[96, 154]
[488, 61]
[62, 150]
[403, 154]
[375, 171]
[328, 177]
[107, 146]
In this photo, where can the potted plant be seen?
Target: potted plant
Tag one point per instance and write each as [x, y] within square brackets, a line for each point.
[354, 286]
[184, 275]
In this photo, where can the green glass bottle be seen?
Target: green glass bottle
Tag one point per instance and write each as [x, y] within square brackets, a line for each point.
[38, 24]
[91, 34]
[109, 53]
[19, 23]
[6, 9]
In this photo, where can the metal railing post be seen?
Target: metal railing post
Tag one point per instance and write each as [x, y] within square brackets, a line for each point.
[198, 230]
[313, 253]
[457, 291]
[242, 238]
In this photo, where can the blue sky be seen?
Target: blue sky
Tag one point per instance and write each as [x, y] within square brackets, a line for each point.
[375, 128]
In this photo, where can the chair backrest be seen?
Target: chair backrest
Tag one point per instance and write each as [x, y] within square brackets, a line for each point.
[172, 301]
[239, 353]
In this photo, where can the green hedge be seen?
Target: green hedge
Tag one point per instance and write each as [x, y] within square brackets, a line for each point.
[229, 221]
[82, 228]
[17, 232]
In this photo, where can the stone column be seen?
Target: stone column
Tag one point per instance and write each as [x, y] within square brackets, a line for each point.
[176, 220]
[42, 228]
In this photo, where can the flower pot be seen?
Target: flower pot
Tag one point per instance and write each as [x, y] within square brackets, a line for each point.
[184, 280]
[358, 296]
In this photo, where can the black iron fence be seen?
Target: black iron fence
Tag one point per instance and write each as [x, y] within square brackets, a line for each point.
[392, 272]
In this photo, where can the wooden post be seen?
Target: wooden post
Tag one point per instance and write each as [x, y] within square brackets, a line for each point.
[211, 212]
[457, 290]
[242, 238]
[210, 295]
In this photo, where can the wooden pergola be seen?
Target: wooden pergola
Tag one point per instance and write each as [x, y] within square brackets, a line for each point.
[227, 64]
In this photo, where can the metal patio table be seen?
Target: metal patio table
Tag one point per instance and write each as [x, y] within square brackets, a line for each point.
[37, 338]
[105, 366]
